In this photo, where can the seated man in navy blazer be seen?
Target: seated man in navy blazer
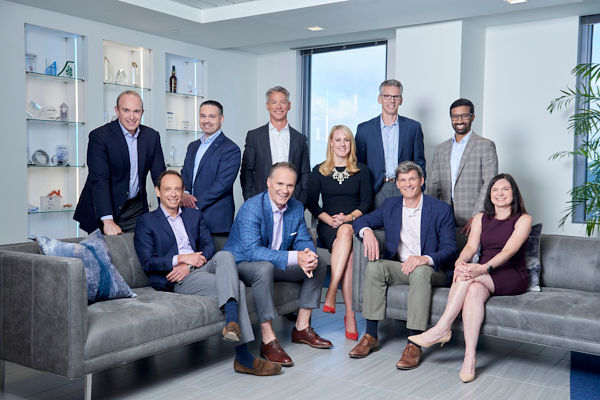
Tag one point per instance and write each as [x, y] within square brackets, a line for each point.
[420, 247]
[209, 170]
[176, 251]
[388, 139]
[120, 154]
[270, 241]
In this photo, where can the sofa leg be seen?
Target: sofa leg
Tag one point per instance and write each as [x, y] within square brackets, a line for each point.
[2, 372]
[87, 383]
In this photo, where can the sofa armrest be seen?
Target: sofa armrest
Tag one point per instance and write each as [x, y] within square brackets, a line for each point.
[43, 312]
[359, 266]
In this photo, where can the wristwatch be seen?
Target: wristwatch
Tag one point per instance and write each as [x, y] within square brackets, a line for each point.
[490, 268]
[353, 217]
[192, 268]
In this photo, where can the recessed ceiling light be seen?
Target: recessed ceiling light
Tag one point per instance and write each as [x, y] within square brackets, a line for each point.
[515, 1]
[315, 28]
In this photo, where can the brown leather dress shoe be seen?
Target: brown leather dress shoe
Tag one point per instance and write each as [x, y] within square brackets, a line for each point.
[231, 332]
[311, 338]
[411, 356]
[273, 352]
[365, 346]
[260, 367]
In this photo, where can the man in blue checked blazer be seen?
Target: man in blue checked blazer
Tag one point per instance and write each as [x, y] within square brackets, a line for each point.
[270, 242]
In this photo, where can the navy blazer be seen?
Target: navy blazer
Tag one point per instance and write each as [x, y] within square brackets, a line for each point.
[252, 232]
[213, 184]
[155, 243]
[369, 147]
[107, 186]
[256, 162]
[438, 237]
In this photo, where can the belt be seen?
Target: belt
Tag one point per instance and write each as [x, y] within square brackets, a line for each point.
[388, 180]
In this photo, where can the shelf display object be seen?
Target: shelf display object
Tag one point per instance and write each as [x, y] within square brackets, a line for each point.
[56, 131]
[183, 100]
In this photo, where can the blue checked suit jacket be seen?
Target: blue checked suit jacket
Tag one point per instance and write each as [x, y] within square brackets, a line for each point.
[252, 232]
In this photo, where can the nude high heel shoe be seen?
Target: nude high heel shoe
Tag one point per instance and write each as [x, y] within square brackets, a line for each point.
[418, 339]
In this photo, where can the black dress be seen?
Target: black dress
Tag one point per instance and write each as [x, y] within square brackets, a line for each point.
[354, 193]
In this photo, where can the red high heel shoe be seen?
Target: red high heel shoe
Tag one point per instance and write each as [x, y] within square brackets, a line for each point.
[328, 309]
[350, 335]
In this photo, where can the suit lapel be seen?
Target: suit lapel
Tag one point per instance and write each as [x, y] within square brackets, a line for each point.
[212, 151]
[266, 144]
[286, 230]
[425, 221]
[447, 174]
[268, 217]
[377, 137]
[141, 148]
[465, 156]
[119, 138]
[401, 138]
[188, 229]
[164, 224]
[396, 215]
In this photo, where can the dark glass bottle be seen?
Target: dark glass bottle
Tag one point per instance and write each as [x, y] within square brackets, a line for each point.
[173, 81]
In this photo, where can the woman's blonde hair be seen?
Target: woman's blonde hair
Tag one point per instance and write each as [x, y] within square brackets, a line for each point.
[327, 166]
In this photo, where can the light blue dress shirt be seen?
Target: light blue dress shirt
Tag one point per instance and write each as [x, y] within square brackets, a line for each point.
[458, 148]
[204, 145]
[389, 137]
[181, 236]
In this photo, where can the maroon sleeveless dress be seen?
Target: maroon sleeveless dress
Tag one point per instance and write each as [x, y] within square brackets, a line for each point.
[511, 277]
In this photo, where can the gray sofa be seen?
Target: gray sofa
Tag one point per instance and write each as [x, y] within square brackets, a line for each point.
[46, 323]
[565, 314]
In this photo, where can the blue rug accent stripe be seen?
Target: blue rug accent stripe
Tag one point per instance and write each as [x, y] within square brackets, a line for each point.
[104, 284]
[585, 376]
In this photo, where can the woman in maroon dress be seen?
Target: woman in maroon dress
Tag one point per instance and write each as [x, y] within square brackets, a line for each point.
[502, 230]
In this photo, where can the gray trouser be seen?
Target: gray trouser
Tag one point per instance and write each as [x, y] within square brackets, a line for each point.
[261, 275]
[382, 273]
[219, 278]
[388, 189]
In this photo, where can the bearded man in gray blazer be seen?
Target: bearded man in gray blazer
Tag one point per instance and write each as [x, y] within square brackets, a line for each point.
[462, 168]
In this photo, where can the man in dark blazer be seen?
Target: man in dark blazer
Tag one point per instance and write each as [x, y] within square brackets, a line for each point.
[420, 247]
[176, 251]
[462, 168]
[388, 139]
[209, 170]
[272, 143]
[120, 154]
[270, 242]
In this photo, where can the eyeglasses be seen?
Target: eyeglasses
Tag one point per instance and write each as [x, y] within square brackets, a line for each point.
[463, 117]
[391, 96]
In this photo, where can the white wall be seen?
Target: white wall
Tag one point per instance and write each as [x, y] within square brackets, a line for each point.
[526, 65]
[232, 78]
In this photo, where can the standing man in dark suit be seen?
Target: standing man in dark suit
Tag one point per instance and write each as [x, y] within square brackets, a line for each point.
[274, 142]
[419, 246]
[120, 154]
[177, 253]
[270, 242]
[209, 170]
[462, 168]
[388, 139]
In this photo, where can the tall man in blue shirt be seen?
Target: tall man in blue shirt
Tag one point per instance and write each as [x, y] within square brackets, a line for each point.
[120, 154]
[388, 139]
[209, 170]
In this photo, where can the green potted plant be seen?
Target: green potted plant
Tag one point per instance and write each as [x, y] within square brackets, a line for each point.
[585, 123]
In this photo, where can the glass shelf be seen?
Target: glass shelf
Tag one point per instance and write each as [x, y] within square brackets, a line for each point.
[39, 75]
[55, 166]
[118, 85]
[185, 95]
[62, 210]
[55, 121]
[183, 131]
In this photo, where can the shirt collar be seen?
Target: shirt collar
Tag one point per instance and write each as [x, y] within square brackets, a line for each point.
[126, 132]
[285, 128]
[211, 138]
[169, 215]
[274, 207]
[464, 141]
[419, 206]
[382, 124]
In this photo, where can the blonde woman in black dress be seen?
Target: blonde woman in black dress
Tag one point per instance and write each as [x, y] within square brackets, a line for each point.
[345, 190]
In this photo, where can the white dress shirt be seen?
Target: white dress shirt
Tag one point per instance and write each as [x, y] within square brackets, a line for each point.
[280, 143]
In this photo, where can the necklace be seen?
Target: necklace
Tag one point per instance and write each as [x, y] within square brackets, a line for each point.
[340, 176]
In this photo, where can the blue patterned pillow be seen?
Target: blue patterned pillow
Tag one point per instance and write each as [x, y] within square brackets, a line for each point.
[103, 280]
[532, 258]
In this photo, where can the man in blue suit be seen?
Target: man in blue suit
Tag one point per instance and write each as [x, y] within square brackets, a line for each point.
[420, 246]
[270, 242]
[120, 154]
[388, 139]
[209, 170]
[176, 251]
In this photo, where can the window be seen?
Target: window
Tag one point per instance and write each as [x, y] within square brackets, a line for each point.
[589, 52]
[340, 86]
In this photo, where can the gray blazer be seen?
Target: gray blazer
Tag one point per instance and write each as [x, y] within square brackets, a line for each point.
[478, 165]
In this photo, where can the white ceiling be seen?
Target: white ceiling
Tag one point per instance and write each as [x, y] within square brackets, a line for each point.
[261, 26]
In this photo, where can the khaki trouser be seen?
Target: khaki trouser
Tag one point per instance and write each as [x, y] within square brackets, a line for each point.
[382, 273]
